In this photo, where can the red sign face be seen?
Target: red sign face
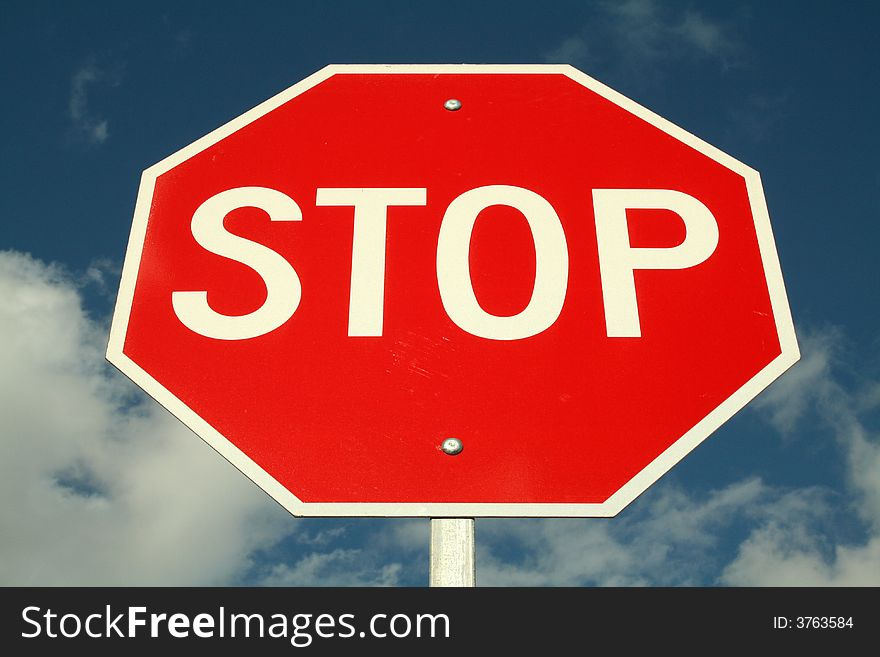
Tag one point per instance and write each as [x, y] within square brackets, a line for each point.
[338, 282]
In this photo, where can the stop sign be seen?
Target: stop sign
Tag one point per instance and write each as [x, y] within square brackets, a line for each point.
[452, 291]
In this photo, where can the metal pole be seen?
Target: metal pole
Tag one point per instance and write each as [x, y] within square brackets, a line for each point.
[452, 552]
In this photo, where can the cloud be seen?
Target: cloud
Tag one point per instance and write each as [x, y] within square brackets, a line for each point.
[572, 50]
[93, 128]
[759, 116]
[101, 275]
[676, 538]
[639, 34]
[704, 35]
[813, 393]
[363, 552]
[777, 554]
[103, 487]
[748, 533]
[100, 485]
[788, 400]
[339, 567]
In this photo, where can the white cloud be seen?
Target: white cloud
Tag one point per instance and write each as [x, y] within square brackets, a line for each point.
[787, 401]
[101, 274]
[782, 555]
[99, 485]
[366, 552]
[758, 116]
[639, 27]
[704, 35]
[749, 533]
[338, 567]
[778, 556]
[812, 392]
[572, 50]
[94, 129]
[638, 34]
[673, 539]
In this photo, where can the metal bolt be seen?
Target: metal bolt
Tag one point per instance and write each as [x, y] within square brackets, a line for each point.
[452, 104]
[452, 446]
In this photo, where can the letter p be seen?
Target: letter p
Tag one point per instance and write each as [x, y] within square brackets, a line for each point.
[618, 260]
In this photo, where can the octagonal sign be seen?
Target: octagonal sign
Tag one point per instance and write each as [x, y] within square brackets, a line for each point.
[452, 291]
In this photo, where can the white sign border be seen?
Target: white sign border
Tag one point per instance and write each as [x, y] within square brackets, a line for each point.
[614, 504]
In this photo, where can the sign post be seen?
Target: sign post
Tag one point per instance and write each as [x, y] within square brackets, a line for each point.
[453, 561]
[452, 292]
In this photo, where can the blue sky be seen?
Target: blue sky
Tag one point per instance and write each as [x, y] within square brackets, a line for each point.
[100, 485]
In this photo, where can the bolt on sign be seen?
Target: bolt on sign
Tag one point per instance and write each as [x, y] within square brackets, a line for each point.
[452, 291]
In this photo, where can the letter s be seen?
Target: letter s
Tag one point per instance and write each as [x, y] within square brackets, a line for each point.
[283, 289]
